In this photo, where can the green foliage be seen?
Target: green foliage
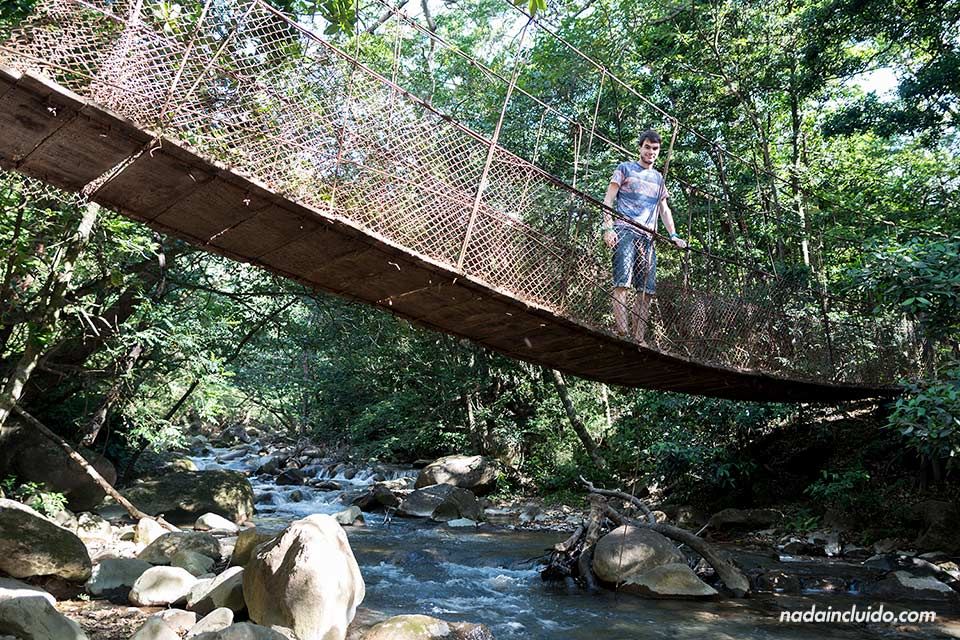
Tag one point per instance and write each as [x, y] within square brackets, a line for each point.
[928, 416]
[801, 521]
[34, 495]
[341, 14]
[839, 489]
[920, 277]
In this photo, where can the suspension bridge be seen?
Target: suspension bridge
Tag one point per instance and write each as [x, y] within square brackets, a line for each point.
[243, 131]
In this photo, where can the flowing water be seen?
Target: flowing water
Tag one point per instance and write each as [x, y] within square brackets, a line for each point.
[492, 576]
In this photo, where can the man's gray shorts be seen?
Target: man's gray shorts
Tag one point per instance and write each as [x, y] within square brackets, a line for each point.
[635, 260]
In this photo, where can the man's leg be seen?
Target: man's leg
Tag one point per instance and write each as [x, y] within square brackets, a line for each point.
[641, 314]
[648, 267]
[624, 256]
[620, 310]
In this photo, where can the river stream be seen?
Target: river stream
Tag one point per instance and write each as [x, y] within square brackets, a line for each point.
[491, 575]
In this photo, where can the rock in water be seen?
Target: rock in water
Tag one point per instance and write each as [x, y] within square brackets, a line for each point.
[475, 473]
[441, 502]
[417, 627]
[31, 545]
[184, 496]
[306, 579]
[246, 543]
[630, 551]
[243, 631]
[674, 580]
[28, 614]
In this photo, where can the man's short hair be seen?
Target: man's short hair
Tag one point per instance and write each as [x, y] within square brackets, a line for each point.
[650, 135]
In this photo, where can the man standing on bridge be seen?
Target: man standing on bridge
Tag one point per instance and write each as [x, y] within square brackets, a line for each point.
[638, 193]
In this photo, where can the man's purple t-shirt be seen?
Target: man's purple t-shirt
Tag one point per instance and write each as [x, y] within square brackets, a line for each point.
[640, 192]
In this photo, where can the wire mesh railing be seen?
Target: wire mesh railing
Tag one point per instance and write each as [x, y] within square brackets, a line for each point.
[240, 83]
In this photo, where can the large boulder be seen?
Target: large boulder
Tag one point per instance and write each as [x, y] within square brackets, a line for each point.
[902, 585]
[28, 613]
[306, 579]
[418, 627]
[163, 549]
[377, 498]
[31, 545]
[475, 473]
[626, 552]
[184, 496]
[441, 502]
[31, 457]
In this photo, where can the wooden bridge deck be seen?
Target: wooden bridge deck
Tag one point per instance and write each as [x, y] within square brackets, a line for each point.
[52, 134]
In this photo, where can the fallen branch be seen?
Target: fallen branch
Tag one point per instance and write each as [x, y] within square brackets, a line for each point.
[728, 572]
[90, 471]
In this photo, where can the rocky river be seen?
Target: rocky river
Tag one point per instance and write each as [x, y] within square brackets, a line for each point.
[490, 574]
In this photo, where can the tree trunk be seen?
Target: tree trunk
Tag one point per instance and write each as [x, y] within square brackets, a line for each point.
[92, 428]
[575, 422]
[90, 471]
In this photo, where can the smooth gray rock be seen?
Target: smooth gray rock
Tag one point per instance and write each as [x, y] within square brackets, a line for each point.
[31, 545]
[28, 613]
[195, 563]
[244, 631]
[475, 473]
[901, 585]
[350, 517]
[184, 496]
[155, 629]
[673, 580]
[224, 591]
[163, 549]
[441, 502]
[629, 551]
[177, 619]
[420, 627]
[306, 579]
[113, 573]
[214, 522]
[216, 620]
[160, 586]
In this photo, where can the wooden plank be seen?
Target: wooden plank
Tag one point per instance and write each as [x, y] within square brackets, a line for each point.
[30, 112]
[212, 209]
[154, 182]
[265, 232]
[310, 252]
[83, 149]
[8, 79]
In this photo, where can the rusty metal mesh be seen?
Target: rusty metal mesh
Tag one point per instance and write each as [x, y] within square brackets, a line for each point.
[247, 87]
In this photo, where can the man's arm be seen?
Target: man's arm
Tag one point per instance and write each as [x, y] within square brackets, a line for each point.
[667, 216]
[610, 199]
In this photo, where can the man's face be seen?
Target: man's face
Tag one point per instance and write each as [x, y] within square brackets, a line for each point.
[649, 151]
